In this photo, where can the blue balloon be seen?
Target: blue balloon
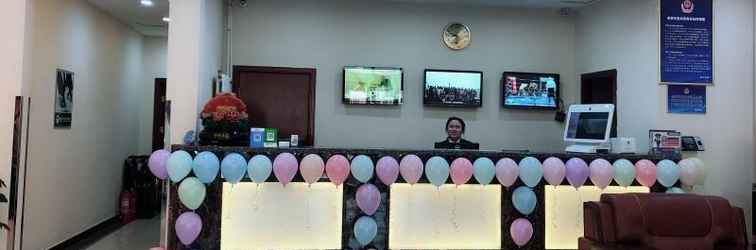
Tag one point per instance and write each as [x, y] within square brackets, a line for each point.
[437, 170]
[259, 168]
[531, 171]
[524, 200]
[179, 165]
[365, 230]
[484, 170]
[675, 190]
[667, 173]
[206, 166]
[233, 167]
[362, 168]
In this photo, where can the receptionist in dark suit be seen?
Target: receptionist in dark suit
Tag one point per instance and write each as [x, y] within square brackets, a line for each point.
[455, 128]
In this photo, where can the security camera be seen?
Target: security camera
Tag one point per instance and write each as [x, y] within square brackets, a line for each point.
[243, 3]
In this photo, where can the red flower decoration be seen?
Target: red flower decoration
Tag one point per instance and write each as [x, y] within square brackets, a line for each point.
[225, 106]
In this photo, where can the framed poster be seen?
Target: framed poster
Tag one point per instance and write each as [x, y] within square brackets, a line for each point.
[686, 99]
[686, 42]
[64, 86]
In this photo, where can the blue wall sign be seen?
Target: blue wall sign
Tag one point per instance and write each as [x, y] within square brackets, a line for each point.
[686, 37]
[686, 99]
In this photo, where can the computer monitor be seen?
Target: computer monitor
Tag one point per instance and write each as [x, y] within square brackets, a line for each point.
[588, 126]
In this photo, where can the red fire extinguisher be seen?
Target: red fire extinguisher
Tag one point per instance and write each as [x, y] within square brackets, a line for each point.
[128, 207]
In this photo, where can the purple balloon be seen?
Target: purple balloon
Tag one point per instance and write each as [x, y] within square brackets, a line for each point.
[387, 170]
[157, 162]
[188, 227]
[521, 231]
[368, 198]
[285, 168]
[577, 172]
[411, 168]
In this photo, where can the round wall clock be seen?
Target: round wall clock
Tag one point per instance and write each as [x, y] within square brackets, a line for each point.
[456, 36]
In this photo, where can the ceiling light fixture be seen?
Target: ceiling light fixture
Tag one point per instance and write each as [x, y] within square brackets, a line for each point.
[166, 19]
[147, 3]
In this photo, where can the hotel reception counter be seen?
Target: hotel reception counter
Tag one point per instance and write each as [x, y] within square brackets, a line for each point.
[322, 215]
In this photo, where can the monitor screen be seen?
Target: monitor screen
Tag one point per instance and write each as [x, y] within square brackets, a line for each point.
[587, 125]
[370, 85]
[453, 88]
[530, 90]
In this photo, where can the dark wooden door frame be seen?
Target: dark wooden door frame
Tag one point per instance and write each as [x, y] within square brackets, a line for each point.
[238, 70]
[610, 74]
[158, 116]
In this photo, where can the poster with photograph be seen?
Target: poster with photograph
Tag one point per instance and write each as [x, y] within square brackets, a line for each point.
[63, 99]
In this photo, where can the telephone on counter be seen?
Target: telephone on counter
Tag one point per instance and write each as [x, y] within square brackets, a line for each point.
[692, 143]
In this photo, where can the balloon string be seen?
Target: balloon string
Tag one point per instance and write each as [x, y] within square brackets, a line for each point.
[307, 213]
[230, 202]
[579, 211]
[436, 231]
[553, 208]
[454, 222]
[258, 193]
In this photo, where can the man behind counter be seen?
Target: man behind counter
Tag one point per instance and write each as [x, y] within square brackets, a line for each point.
[455, 128]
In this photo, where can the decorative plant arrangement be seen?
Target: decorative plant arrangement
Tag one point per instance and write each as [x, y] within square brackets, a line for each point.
[225, 121]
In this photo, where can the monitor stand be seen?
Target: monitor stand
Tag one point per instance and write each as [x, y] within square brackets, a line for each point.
[586, 148]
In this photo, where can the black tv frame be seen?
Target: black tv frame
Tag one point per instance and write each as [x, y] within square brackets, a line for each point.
[504, 96]
[425, 82]
[343, 87]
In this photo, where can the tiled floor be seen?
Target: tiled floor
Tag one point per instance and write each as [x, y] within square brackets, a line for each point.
[140, 234]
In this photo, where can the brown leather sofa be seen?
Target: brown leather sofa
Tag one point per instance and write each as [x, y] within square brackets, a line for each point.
[662, 221]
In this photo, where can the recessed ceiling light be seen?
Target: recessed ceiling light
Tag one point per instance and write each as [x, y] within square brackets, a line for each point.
[147, 3]
[166, 19]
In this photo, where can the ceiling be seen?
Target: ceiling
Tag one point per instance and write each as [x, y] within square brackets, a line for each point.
[145, 20]
[149, 20]
[513, 3]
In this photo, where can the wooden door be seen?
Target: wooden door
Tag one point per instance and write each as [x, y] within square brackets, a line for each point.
[600, 88]
[282, 98]
[158, 117]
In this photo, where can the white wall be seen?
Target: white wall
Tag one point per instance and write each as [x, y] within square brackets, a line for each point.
[12, 22]
[194, 57]
[155, 50]
[328, 35]
[623, 35]
[74, 175]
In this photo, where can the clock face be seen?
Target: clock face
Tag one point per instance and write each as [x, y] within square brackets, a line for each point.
[456, 36]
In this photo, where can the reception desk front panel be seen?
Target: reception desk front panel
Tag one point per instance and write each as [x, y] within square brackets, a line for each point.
[420, 216]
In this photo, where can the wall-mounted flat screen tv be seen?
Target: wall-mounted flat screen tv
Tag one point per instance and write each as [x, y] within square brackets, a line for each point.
[453, 88]
[530, 90]
[372, 85]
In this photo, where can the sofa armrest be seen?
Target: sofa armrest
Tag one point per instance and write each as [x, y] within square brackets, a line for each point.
[587, 244]
[741, 240]
[592, 222]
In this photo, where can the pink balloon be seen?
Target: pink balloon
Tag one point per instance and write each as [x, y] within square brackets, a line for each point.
[368, 198]
[285, 167]
[602, 173]
[311, 168]
[645, 171]
[411, 168]
[577, 172]
[507, 171]
[461, 171]
[521, 231]
[387, 170]
[157, 162]
[554, 171]
[188, 227]
[337, 169]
